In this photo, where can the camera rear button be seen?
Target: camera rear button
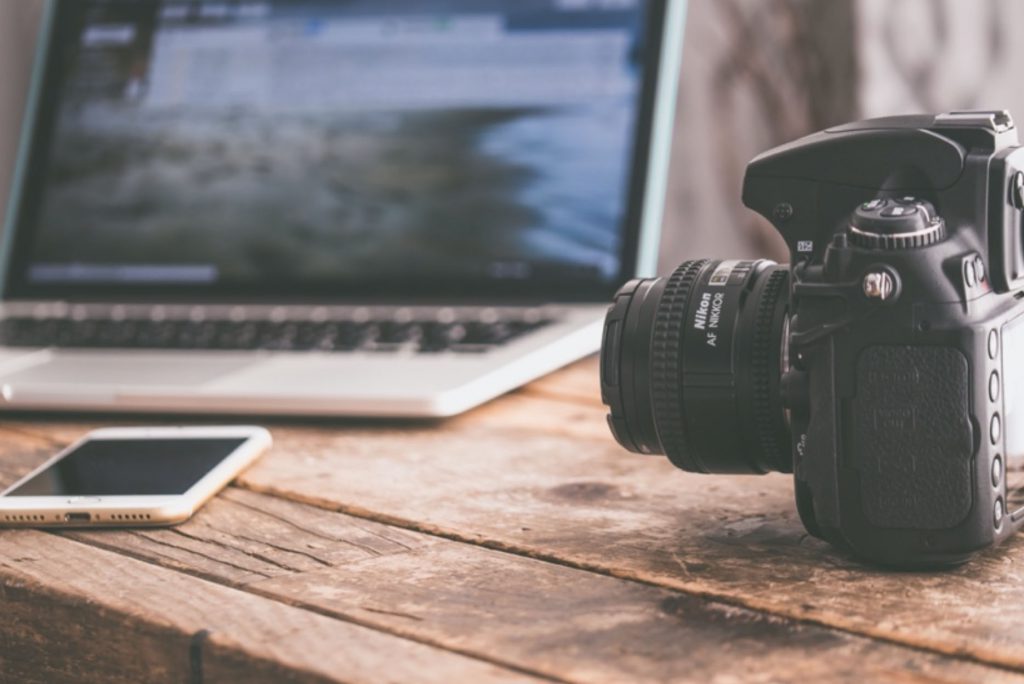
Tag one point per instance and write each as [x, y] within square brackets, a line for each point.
[1017, 190]
[999, 512]
[993, 386]
[997, 471]
[993, 345]
[995, 429]
[970, 274]
[979, 269]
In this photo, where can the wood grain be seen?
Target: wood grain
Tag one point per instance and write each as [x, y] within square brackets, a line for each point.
[241, 538]
[535, 474]
[562, 490]
[23, 450]
[546, 618]
[554, 620]
[577, 383]
[592, 506]
[74, 613]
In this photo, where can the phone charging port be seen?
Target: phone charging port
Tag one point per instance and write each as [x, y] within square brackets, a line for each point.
[77, 517]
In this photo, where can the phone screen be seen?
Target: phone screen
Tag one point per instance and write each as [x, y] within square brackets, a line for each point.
[131, 467]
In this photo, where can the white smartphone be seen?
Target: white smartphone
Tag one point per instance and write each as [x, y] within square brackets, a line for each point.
[127, 477]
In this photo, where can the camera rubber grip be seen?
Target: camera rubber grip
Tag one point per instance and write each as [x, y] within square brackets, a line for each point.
[911, 437]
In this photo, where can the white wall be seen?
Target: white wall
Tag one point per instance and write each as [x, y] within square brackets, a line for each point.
[756, 74]
[959, 55]
[19, 21]
[784, 68]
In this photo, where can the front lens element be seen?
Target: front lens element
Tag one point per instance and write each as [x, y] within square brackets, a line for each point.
[691, 366]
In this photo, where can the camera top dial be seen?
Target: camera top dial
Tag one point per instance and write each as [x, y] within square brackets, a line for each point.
[900, 223]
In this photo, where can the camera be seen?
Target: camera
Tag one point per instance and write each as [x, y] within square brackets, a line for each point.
[883, 368]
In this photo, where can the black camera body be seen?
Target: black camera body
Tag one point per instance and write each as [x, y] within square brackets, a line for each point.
[884, 368]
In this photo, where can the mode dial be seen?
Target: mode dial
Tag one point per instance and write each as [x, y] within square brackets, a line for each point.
[900, 223]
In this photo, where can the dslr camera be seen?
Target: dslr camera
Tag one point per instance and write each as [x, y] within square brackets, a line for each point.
[883, 368]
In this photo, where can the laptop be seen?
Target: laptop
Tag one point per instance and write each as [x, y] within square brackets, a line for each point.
[328, 208]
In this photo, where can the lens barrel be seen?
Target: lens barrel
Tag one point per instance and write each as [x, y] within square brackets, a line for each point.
[691, 366]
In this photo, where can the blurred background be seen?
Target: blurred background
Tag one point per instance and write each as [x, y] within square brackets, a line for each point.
[756, 73]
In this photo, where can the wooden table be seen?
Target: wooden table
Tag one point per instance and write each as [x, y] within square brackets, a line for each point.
[516, 543]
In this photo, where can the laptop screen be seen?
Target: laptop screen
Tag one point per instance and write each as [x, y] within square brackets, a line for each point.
[449, 148]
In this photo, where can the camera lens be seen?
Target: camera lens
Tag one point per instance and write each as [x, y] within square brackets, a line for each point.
[691, 366]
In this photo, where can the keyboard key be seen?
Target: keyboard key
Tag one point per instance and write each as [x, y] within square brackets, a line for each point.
[287, 336]
[243, 336]
[155, 335]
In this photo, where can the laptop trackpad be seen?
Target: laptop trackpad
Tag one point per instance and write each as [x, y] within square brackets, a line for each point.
[110, 371]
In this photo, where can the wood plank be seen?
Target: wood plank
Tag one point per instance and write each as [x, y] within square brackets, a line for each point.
[556, 620]
[509, 477]
[241, 538]
[72, 611]
[553, 620]
[587, 503]
[23, 450]
[524, 413]
[576, 383]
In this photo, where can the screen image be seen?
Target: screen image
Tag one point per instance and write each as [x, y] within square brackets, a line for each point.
[201, 143]
[130, 467]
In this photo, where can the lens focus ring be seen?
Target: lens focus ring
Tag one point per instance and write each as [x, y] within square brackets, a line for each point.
[766, 373]
[666, 364]
[692, 364]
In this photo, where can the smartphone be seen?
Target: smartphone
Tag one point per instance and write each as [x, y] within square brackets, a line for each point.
[121, 477]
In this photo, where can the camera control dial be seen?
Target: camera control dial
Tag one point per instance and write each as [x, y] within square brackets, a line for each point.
[898, 223]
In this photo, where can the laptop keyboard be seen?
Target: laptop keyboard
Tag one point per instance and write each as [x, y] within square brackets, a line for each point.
[286, 336]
